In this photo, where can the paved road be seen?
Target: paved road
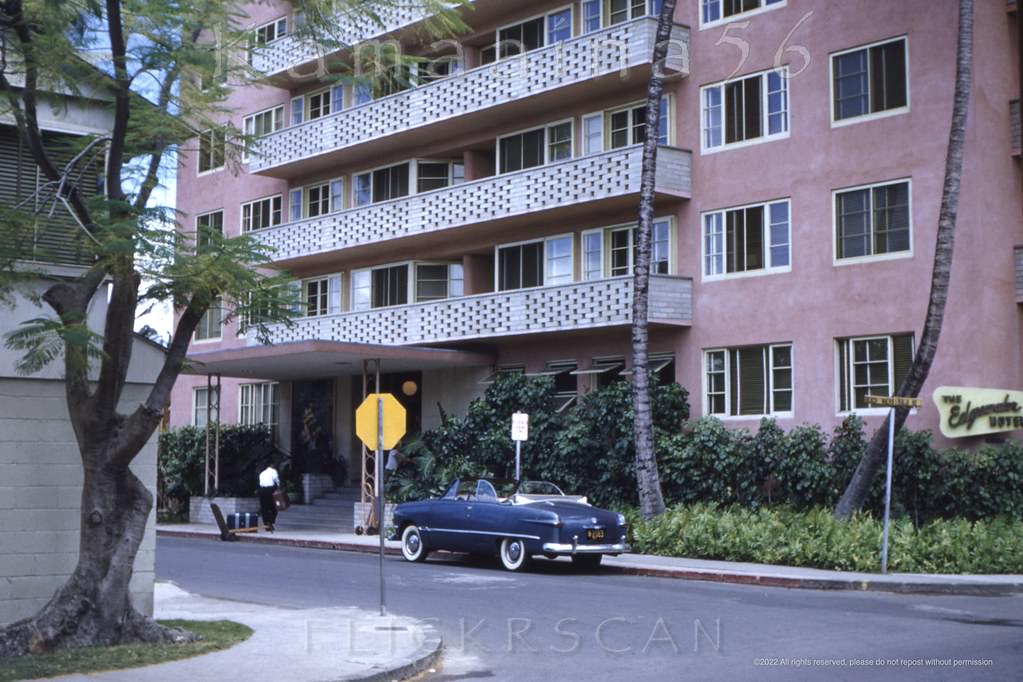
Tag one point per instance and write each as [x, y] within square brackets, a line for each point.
[556, 624]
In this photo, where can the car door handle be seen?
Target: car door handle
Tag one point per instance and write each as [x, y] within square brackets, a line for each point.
[469, 508]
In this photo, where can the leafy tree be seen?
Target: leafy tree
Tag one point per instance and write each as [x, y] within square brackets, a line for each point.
[858, 490]
[651, 501]
[168, 72]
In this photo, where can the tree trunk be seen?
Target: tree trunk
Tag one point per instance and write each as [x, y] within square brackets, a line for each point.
[863, 478]
[651, 501]
[94, 608]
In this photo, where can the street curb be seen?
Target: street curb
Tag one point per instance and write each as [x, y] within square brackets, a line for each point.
[836, 584]
[974, 589]
[433, 646]
[287, 542]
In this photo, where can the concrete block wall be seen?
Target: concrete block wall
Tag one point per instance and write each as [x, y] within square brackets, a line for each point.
[362, 510]
[315, 485]
[40, 497]
[199, 507]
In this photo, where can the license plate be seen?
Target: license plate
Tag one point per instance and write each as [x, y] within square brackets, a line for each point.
[596, 534]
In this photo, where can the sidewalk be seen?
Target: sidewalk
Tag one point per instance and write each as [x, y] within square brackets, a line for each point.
[667, 567]
[310, 645]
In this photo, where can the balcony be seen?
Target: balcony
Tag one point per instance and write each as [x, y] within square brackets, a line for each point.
[582, 305]
[609, 178]
[597, 63]
[1014, 119]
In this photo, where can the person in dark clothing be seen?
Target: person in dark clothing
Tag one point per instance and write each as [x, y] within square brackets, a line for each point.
[269, 482]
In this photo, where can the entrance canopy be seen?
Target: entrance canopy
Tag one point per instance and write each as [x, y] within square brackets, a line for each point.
[304, 360]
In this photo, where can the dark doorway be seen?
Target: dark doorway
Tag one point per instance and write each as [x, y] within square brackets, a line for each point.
[312, 428]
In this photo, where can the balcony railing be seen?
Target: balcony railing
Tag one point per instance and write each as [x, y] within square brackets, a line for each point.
[604, 53]
[292, 52]
[583, 305]
[599, 177]
[1014, 118]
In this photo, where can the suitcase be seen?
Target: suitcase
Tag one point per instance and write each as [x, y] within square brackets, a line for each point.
[242, 521]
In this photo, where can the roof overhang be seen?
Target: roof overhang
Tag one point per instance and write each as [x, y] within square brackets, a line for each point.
[305, 360]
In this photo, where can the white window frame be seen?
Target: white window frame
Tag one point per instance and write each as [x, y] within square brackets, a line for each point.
[336, 201]
[447, 264]
[241, 212]
[873, 258]
[667, 111]
[768, 355]
[597, 116]
[413, 182]
[863, 118]
[218, 303]
[605, 13]
[764, 7]
[451, 174]
[764, 112]
[546, 38]
[271, 387]
[198, 154]
[546, 256]
[605, 248]
[410, 284]
[210, 410]
[278, 32]
[308, 108]
[296, 106]
[276, 122]
[768, 258]
[546, 144]
[868, 411]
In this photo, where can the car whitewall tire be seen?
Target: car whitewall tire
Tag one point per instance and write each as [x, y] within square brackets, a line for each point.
[513, 554]
[412, 546]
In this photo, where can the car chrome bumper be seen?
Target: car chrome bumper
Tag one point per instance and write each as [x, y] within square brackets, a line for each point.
[574, 548]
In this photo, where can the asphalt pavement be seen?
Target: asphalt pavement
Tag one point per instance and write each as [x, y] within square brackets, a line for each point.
[555, 622]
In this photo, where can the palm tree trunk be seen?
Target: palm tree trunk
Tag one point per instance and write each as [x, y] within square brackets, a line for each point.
[859, 486]
[651, 502]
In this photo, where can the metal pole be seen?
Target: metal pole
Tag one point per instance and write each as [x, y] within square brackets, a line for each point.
[380, 491]
[888, 490]
[518, 460]
[206, 471]
[216, 450]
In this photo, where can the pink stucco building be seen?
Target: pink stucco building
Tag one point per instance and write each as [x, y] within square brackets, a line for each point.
[475, 216]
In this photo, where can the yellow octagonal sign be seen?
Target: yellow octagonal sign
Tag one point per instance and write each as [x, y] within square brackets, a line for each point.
[366, 425]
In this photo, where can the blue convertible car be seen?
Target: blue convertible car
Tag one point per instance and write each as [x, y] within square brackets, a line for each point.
[514, 520]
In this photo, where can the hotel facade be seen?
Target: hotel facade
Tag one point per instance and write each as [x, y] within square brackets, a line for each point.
[477, 215]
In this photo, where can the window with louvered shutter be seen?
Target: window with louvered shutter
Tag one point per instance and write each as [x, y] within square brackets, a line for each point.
[752, 381]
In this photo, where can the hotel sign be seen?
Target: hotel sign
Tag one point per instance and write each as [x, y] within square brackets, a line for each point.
[978, 411]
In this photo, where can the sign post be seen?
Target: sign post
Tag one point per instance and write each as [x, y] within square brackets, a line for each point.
[380, 424]
[884, 401]
[520, 432]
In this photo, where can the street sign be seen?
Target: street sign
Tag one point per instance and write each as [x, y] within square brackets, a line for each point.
[366, 426]
[896, 401]
[520, 426]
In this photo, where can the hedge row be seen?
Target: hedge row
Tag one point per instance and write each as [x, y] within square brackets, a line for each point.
[588, 449]
[816, 539]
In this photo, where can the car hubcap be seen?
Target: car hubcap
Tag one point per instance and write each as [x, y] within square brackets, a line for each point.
[514, 551]
[412, 543]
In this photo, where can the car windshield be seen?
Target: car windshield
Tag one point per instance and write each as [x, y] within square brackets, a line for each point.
[539, 488]
[479, 489]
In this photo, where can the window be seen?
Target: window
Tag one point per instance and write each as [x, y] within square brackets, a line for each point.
[628, 126]
[874, 365]
[749, 239]
[263, 123]
[266, 34]
[362, 93]
[619, 11]
[749, 381]
[316, 294]
[297, 111]
[212, 144]
[435, 282]
[746, 109]
[203, 412]
[206, 225]
[606, 371]
[431, 175]
[535, 147]
[530, 35]
[591, 15]
[533, 264]
[661, 365]
[319, 104]
[716, 10]
[259, 404]
[209, 326]
[870, 80]
[618, 243]
[872, 221]
[380, 287]
[383, 184]
[261, 213]
[317, 200]
[566, 384]
[295, 205]
[593, 134]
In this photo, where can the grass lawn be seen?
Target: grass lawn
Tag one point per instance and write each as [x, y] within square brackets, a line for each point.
[216, 636]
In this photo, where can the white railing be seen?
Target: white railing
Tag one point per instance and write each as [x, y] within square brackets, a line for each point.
[590, 178]
[582, 305]
[604, 53]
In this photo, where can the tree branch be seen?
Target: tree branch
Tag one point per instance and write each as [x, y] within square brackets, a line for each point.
[122, 101]
[118, 340]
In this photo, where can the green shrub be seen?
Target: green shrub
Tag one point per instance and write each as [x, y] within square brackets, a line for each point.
[181, 462]
[814, 538]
